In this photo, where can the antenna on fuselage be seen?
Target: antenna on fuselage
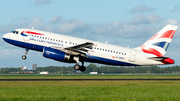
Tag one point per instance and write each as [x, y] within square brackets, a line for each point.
[106, 42]
[32, 27]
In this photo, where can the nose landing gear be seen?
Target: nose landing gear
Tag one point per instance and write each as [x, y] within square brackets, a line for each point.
[24, 56]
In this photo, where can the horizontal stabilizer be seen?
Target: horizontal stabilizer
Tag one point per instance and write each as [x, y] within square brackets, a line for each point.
[164, 60]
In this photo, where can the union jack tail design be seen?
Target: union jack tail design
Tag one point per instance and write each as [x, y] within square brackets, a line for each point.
[160, 42]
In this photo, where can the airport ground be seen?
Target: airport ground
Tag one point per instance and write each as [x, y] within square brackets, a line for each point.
[90, 90]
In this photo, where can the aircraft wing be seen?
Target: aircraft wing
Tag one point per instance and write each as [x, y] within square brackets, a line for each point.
[85, 47]
[78, 49]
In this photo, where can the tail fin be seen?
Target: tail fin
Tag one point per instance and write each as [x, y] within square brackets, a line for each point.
[159, 43]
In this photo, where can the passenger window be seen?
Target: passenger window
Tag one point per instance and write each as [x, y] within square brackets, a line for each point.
[42, 37]
[103, 49]
[108, 50]
[119, 52]
[124, 53]
[97, 48]
[116, 52]
[94, 47]
[66, 42]
[61, 41]
[16, 32]
[100, 49]
[37, 36]
[53, 39]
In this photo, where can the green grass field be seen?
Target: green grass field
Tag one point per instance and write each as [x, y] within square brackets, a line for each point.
[89, 90]
[88, 76]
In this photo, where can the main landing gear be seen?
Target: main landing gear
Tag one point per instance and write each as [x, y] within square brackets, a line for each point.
[24, 56]
[77, 66]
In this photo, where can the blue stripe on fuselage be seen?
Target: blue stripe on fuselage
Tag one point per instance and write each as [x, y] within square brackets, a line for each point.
[96, 59]
[90, 58]
[23, 34]
[24, 45]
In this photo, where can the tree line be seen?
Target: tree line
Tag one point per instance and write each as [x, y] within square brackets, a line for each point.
[101, 69]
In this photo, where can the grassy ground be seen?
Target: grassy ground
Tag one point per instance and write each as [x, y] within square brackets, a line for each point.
[90, 90]
[87, 76]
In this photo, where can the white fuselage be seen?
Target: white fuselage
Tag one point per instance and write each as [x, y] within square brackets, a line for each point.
[101, 52]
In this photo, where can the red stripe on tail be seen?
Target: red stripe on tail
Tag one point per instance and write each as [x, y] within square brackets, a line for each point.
[151, 51]
[167, 34]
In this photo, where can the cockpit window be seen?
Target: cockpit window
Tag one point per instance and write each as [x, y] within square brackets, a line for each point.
[15, 32]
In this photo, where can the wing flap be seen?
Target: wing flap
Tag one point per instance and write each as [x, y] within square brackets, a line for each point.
[78, 49]
[85, 47]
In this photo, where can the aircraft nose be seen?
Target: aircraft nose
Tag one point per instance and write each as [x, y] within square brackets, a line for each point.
[5, 36]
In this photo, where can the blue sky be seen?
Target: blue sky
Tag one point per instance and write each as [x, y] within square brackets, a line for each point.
[124, 23]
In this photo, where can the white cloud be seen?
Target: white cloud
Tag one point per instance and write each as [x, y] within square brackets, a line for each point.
[8, 53]
[56, 19]
[175, 9]
[42, 2]
[172, 21]
[141, 9]
[75, 26]
[154, 18]
[140, 19]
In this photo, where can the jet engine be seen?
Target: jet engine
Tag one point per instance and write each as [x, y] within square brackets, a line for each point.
[56, 54]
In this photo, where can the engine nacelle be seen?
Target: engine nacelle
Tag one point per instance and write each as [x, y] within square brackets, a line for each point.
[56, 54]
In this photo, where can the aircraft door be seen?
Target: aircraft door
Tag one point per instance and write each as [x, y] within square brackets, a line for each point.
[132, 56]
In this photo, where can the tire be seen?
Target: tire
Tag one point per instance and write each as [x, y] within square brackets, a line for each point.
[76, 67]
[24, 57]
[82, 68]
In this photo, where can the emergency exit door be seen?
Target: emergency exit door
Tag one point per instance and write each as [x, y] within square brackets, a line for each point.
[132, 56]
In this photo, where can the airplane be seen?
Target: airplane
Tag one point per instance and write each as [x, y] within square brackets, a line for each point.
[74, 50]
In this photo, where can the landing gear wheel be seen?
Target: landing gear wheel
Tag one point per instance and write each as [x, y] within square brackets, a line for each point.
[76, 67]
[82, 68]
[24, 57]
